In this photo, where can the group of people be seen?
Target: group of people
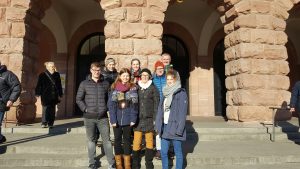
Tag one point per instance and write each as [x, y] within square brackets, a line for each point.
[137, 100]
[134, 100]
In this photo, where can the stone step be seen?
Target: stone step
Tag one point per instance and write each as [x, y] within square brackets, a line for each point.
[63, 160]
[81, 130]
[257, 166]
[203, 134]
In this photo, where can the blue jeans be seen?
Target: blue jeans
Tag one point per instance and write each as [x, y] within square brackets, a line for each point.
[1, 119]
[165, 144]
[103, 128]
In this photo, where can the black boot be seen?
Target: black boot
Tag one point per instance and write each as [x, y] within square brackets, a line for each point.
[136, 159]
[149, 154]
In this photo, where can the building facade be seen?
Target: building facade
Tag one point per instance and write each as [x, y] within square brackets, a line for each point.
[236, 58]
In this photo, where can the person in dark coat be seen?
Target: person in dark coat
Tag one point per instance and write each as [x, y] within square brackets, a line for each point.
[295, 102]
[109, 72]
[10, 90]
[148, 104]
[49, 88]
[170, 119]
[123, 112]
[91, 98]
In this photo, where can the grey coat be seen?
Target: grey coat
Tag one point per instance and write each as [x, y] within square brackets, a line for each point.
[10, 87]
[148, 104]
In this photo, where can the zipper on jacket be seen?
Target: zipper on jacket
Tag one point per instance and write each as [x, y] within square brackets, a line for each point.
[122, 118]
[97, 99]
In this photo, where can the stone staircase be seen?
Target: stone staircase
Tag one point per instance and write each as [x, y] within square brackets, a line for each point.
[210, 145]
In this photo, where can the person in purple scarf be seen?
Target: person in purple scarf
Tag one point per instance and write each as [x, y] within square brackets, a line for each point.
[123, 111]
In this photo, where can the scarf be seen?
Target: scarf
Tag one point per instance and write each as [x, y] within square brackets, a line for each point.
[168, 92]
[145, 85]
[122, 87]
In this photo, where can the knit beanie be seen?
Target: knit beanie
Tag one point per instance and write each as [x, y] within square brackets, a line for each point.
[158, 63]
[147, 71]
[109, 60]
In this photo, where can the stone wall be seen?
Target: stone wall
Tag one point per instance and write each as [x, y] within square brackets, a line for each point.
[256, 67]
[19, 25]
[134, 30]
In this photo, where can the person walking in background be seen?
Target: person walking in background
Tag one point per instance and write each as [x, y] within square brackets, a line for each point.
[49, 88]
[295, 102]
[159, 80]
[109, 72]
[91, 98]
[170, 119]
[10, 90]
[135, 70]
[123, 111]
[148, 104]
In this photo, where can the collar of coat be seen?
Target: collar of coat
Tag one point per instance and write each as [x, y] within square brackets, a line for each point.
[145, 85]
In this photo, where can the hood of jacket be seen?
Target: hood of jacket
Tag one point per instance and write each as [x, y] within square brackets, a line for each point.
[3, 68]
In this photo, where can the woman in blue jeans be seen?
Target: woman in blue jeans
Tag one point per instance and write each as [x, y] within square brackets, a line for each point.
[170, 119]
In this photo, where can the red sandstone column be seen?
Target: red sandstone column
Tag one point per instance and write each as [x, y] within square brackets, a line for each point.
[134, 30]
[256, 67]
[19, 24]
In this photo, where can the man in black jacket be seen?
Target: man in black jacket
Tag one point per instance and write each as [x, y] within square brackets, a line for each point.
[10, 90]
[50, 89]
[91, 98]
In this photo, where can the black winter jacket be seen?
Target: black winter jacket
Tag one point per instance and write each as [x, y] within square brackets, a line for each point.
[109, 76]
[10, 87]
[47, 90]
[148, 105]
[92, 98]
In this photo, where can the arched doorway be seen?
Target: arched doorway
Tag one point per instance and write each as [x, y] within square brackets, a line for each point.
[180, 56]
[219, 79]
[91, 49]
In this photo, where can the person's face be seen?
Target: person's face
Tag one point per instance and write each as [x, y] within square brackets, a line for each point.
[135, 65]
[125, 77]
[159, 71]
[145, 77]
[50, 67]
[166, 59]
[111, 66]
[170, 80]
[95, 72]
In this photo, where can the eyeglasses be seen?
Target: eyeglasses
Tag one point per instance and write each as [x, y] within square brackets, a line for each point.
[145, 75]
[160, 69]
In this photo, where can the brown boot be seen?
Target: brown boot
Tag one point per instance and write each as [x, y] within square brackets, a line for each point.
[118, 159]
[127, 162]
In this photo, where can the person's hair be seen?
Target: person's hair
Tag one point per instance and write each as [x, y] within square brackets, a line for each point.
[166, 54]
[47, 63]
[135, 59]
[171, 73]
[96, 64]
[118, 79]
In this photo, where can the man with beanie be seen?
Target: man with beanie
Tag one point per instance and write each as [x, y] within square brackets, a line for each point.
[10, 90]
[91, 98]
[109, 72]
[159, 80]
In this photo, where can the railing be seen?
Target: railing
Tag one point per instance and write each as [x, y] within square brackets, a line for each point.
[274, 109]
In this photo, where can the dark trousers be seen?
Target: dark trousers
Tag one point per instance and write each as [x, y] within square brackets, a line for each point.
[2, 113]
[48, 115]
[122, 134]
